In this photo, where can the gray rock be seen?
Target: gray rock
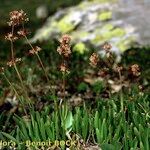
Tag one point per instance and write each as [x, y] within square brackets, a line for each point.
[120, 23]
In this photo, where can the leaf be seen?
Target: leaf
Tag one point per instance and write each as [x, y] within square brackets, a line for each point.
[68, 121]
[10, 137]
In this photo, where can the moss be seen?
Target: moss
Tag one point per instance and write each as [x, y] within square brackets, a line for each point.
[80, 47]
[105, 16]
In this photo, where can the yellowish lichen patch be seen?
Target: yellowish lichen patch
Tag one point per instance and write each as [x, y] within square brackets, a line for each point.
[106, 15]
[80, 47]
[118, 32]
[64, 25]
[107, 27]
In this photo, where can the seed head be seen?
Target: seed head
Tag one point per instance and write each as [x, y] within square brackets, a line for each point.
[94, 59]
[1, 69]
[11, 37]
[64, 48]
[119, 68]
[13, 62]
[23, 32]
[103, 73]
[65, 39]
[107, 47]
[17, 17]
[135, 69]
[35, 50]
[64, 68]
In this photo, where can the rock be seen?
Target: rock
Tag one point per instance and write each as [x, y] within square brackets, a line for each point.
[95, 21]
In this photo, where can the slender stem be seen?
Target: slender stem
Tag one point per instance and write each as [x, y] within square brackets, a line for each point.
[42, 67]
[38, 58]
[13, 88]
[13, 60]
[12, 49]
[121, 96]
[11, 85]
[21, 81]
[41, 63]
[64, 84]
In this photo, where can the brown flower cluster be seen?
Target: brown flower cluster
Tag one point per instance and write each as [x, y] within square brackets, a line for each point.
[94, 59]
[11, 37]
[23, 32]
[135, 70]
[13, 62]
[64, 49]
[2, 69]
[106, 46]
[35, 50]
[64, 68]
[103, 72]
[17, 17]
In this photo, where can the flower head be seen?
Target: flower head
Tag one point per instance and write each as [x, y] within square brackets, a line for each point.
[107, 47]
[94, 59]
[11, 37]
[64, 68]
[23, 32]
[135, 69]
[64, 48]
[35, 50]
[17, 17]
[13, 62]
[1, 69]
[65, 39]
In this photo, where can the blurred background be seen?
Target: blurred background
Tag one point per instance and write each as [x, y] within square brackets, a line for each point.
[121, 22]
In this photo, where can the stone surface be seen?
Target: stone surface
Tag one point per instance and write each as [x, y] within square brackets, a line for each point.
[93, 22]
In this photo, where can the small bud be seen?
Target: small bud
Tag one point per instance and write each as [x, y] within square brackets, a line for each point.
[11, 37]
[135, 70]
[23, 32]
[1, 69]
[64, 68]
[119, 68]
[35, 50]
[65, 39]
[103, 73]
[94, 59]
[13, 62]
[107, 47]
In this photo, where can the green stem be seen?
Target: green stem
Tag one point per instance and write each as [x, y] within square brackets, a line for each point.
[21, 81]
[41, 63]
[121, 95]
[64, 85]
[13, 88]
[13, 60]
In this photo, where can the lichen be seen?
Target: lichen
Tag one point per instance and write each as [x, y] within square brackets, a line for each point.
[106, 15]
[64, 25]
[107, 27]
[80, 47]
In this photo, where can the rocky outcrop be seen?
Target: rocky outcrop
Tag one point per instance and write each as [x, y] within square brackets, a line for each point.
[96, 21]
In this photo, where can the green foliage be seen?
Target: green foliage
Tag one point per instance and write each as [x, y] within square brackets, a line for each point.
[98, 87]
[82, 87]
[108, 126]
